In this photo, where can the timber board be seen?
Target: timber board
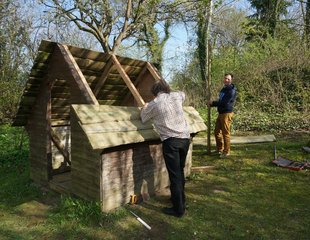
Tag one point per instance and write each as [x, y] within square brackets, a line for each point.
[34, 85]
[60, 89]
[110, 102]
[35, 80]
[114, 87]
[96, 66]
[84, 192]
[61, 187]
[47, 46]
[119, 126]
[61, 82]
[60, 116]
[40, 65]
[88, 54]
[65, 109]
[61, 95]
[130, 62]
[42, 57]
[116, 77]
[39, 73]
[109, 95]
[100, 117]
[59, 123]
[111, 139]
[87, 72]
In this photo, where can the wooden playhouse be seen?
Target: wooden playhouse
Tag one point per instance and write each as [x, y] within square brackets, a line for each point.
[80, 110]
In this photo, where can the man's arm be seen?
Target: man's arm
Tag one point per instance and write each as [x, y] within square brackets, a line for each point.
[146, 112]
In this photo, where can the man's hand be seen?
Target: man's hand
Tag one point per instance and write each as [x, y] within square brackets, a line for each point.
[145, 105]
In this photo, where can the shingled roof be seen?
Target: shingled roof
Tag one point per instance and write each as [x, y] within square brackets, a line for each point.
[103, 74]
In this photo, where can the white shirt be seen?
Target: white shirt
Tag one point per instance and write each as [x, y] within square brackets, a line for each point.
[166, 111]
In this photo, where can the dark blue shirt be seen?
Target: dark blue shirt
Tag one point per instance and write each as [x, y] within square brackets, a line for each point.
[226, 101]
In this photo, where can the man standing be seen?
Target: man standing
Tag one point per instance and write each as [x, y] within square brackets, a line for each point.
[225, 105]
[167, 114]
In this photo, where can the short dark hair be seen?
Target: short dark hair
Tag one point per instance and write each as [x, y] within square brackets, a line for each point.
[160, 86]
[232, 76]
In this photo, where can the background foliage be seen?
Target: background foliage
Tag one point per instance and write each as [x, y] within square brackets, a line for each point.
[265, 47]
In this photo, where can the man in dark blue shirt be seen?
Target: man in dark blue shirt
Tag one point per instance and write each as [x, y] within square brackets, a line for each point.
[225, 105]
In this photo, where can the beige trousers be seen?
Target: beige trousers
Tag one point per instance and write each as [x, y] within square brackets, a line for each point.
[222, 132]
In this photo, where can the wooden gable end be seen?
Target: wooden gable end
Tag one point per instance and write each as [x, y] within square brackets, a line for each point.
[84, 76]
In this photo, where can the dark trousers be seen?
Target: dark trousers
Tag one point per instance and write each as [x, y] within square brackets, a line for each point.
[175, 151]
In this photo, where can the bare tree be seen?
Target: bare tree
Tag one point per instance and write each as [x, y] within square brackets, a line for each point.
[110, 21]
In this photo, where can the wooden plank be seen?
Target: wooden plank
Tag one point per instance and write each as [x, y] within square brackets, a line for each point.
[202, 169]
[60, 122]
[103, 113]
[136, 82]
[111, 95]
[40, 65]
[239, 139]
[77, 75]
[48, 129]
[42, 57]
[119, 126]
[116, 102]
[89, 64]
[101, 141]
[60, 146]
[128, 82]
[153, 71]
[104, 76]
[130, 62]
[88, 54]
[37, 73]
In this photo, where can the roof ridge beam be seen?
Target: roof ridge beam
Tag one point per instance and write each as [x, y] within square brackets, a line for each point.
[128, 82]
[78, 75]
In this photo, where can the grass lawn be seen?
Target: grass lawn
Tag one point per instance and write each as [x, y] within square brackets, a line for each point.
[244, 197]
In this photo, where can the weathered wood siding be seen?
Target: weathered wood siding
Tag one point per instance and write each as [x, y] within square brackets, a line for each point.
[85, 164]
[37, 133]
[134, 169]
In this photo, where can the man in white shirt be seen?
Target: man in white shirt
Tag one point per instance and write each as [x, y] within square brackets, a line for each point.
[166, 112]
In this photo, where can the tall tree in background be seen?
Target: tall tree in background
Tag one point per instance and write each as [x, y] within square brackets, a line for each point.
[109, 21]
[151, 39]
[204, 18]
[307, 22]
[14, 39]
[266, 18]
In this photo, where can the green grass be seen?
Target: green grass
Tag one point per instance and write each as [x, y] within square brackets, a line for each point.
[245, 197]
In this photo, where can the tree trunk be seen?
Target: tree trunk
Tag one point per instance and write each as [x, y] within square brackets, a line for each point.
[203, 35]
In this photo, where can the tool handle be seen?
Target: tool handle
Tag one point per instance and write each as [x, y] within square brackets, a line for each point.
[144, 223]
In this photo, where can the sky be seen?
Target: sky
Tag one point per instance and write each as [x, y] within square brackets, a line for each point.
[178, 47]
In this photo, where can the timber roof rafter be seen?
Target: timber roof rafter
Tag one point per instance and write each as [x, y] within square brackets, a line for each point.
[98, 78]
